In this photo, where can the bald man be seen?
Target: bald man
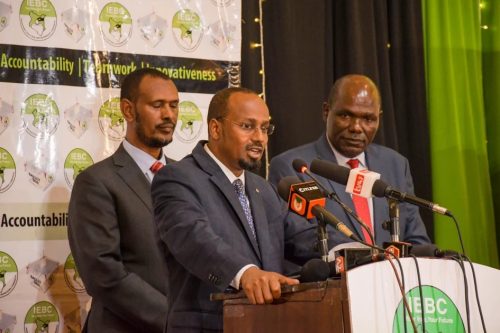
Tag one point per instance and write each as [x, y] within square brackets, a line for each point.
[352, 117]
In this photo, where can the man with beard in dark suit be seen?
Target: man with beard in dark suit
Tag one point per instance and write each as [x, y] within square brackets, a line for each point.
[222, 224]
[110, 229]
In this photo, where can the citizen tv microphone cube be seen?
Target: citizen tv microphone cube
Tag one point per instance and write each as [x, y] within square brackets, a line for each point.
[303, 197]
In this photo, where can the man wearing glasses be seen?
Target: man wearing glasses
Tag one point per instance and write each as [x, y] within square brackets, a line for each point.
[223, 226]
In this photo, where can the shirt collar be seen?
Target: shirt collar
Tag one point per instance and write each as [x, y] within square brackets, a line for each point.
[342, 160]
[229, 174]
[141, 158]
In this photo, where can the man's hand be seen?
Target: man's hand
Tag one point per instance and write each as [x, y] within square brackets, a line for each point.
[262, 286]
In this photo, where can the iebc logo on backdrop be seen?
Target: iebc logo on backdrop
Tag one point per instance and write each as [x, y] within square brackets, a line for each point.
[116, 24]
[187, 29]
[42, 317]
[38, 19]
[191, 122]
[76, 161]
[7, 170]
[111, 121]
[40, 115]
[8, 274]
[71, 275]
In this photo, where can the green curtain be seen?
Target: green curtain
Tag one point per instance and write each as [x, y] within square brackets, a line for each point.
[490, 21]
[457, 122]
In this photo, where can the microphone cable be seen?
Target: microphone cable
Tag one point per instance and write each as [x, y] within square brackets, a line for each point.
[460, 262]
[476, 292]
[400, 281]
[402, 289]
[419, 279]
[459, 233]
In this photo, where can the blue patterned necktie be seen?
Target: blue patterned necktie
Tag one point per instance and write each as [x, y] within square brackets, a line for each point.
[240, 190]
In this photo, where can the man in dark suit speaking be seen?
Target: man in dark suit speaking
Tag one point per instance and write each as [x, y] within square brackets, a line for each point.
[222, 225]
[352, 117]
[110, 229]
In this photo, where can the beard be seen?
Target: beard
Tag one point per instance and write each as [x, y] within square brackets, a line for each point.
[150, 141]
[251, 165]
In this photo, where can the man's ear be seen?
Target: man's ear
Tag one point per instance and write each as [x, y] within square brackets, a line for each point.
[214, 129]
[127, 109]
[326, 111]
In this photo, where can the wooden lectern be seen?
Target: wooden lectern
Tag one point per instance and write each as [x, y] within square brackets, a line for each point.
[368, 299]
[307, 307]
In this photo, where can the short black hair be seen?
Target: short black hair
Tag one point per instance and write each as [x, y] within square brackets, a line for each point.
[131, 82]
[218, 105]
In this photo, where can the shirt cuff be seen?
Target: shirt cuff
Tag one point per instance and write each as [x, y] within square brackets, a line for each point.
[235, 283]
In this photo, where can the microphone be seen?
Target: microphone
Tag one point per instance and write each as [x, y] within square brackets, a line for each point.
[314, 270]
[301, 167]
[301, 196]
[431, 250]
[305, 199]
[369, 259]
[377, 187]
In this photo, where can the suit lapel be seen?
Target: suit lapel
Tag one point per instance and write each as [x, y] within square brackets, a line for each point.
[222, 182]
[129, 172]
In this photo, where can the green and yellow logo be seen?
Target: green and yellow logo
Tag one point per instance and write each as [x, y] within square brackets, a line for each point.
[38, 19]
[187, 29]
[40, 115]
[111, 121]
[76, 161]
[71, 275]
[438, 311]
[7, 170]
[42, 317]
[8, 274]
[116, 24]
[191, 122]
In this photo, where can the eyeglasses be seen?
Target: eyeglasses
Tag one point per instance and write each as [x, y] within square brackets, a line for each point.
[250, 128]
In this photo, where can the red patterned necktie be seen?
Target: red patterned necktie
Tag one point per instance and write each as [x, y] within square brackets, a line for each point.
[361, 206]
[156, 167]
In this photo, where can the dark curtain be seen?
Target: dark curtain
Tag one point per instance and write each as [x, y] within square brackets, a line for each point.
[309, 44]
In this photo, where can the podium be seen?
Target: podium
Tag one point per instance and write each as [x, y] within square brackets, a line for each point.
[368, 299]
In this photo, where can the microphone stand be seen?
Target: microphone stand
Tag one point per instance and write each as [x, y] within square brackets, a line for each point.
[395, 246]
[394, 219]
[323, 239]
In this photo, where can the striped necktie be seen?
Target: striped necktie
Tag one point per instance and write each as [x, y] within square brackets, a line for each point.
[240, 191]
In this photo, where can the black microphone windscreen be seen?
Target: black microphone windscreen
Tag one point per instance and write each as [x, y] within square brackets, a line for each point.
[314, 270]
[379, 188]
[298, 164]
[330, 170]
[284, 186]
[424, 250]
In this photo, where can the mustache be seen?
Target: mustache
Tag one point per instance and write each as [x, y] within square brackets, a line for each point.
[167, 122]
[254, 146]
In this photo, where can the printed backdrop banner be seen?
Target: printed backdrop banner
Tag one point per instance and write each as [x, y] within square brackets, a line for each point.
[61, 64]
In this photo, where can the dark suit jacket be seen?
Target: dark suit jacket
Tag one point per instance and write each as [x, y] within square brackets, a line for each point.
[112, 238]
[208, 239]
[394, 170]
